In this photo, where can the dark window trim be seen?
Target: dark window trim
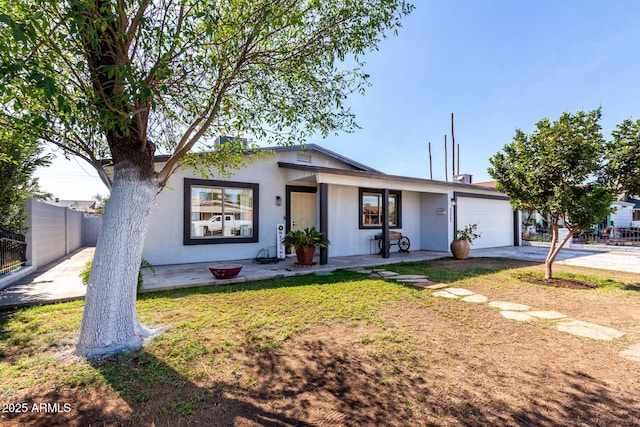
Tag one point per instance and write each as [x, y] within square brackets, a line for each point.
[396, 193]
[190, 182]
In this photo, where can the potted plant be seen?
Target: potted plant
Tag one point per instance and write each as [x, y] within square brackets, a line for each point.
[305, 243]
[462, 242]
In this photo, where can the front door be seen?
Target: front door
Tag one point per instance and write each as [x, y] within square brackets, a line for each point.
[303, 211]
[300, 209]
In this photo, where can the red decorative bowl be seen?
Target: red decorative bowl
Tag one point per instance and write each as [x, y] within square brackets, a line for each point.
[225, 271]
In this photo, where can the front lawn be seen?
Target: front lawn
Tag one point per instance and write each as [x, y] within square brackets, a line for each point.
[343, 349]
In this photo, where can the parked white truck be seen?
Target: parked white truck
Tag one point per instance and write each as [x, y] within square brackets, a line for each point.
[229, 227]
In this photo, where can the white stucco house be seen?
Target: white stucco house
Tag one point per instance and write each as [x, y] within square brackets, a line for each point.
[198, 220]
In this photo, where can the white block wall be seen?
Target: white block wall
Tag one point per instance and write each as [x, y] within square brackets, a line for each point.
[52, 233]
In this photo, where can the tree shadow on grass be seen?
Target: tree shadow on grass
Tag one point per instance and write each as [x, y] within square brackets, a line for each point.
[318, 383]
[345, 389]
[148, 392]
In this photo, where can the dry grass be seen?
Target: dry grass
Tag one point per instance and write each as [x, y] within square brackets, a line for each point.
[342, 350]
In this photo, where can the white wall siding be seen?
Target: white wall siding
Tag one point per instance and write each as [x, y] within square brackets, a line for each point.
[343, 214]
[164, 242]
[344, 232]
[421, 202]
[411, 218]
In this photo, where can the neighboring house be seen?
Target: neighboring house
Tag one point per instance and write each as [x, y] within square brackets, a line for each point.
[636, 211]
[622, 216]
[198, 220]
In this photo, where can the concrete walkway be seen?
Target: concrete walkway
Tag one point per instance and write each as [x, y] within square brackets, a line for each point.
[60, 281]
[56, 282]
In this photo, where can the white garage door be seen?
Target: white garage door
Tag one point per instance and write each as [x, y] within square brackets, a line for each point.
[494, 219]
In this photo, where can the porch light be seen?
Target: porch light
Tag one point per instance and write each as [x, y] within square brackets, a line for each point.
[453, 202]
[278, 201]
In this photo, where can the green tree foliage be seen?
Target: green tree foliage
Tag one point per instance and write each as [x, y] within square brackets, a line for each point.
[623, 158]
[20, 155]
[127, 79]
[565, 169]
[113, 78]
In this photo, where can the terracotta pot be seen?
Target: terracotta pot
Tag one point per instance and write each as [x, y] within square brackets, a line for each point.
[460, 249]
[305, 256]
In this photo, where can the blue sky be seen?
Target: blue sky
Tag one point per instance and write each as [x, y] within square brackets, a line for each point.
[498, 65]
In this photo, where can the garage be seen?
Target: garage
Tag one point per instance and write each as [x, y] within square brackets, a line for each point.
[493, 214]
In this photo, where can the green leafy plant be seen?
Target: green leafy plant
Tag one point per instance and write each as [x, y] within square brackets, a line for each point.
[307, 238]
[84, 274]
[468, 233]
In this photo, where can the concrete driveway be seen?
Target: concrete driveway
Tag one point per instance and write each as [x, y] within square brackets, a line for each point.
[617, 261]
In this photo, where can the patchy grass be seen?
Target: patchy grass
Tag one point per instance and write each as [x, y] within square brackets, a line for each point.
[341, 349]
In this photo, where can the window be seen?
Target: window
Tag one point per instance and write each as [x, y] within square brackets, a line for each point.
[220, 212]
[636, 214]
[371, 209]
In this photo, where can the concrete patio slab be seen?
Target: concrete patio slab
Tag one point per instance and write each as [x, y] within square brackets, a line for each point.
[445, 294]
[508, 306]
[589, 330]
[387, 274]
[409, 277]
[421, 284]
[437, 286]
[548, 315]
[520, 316]
[476, 299]
[632, 353]
[459, 291]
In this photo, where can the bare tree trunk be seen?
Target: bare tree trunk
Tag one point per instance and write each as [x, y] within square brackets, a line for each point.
[110, 322]
[555, 248]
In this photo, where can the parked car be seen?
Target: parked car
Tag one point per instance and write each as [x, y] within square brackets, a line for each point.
[229, 227]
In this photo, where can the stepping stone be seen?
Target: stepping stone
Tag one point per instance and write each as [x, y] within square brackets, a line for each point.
[445, 294]
[517, 315]
[550, 315]
[363, 271]
[509, 306]
[632, 353]
[459, 291]
[421, 285]
[437, 286]
[386, 273]
[411, 280]
[478, 299]
[409, 277]
[589, 330]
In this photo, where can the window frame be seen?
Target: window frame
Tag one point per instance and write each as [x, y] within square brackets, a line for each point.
[192, 182]
[395, 193]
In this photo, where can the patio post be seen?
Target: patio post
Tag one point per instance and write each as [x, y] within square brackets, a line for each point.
[324, 220]
[385, 223]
